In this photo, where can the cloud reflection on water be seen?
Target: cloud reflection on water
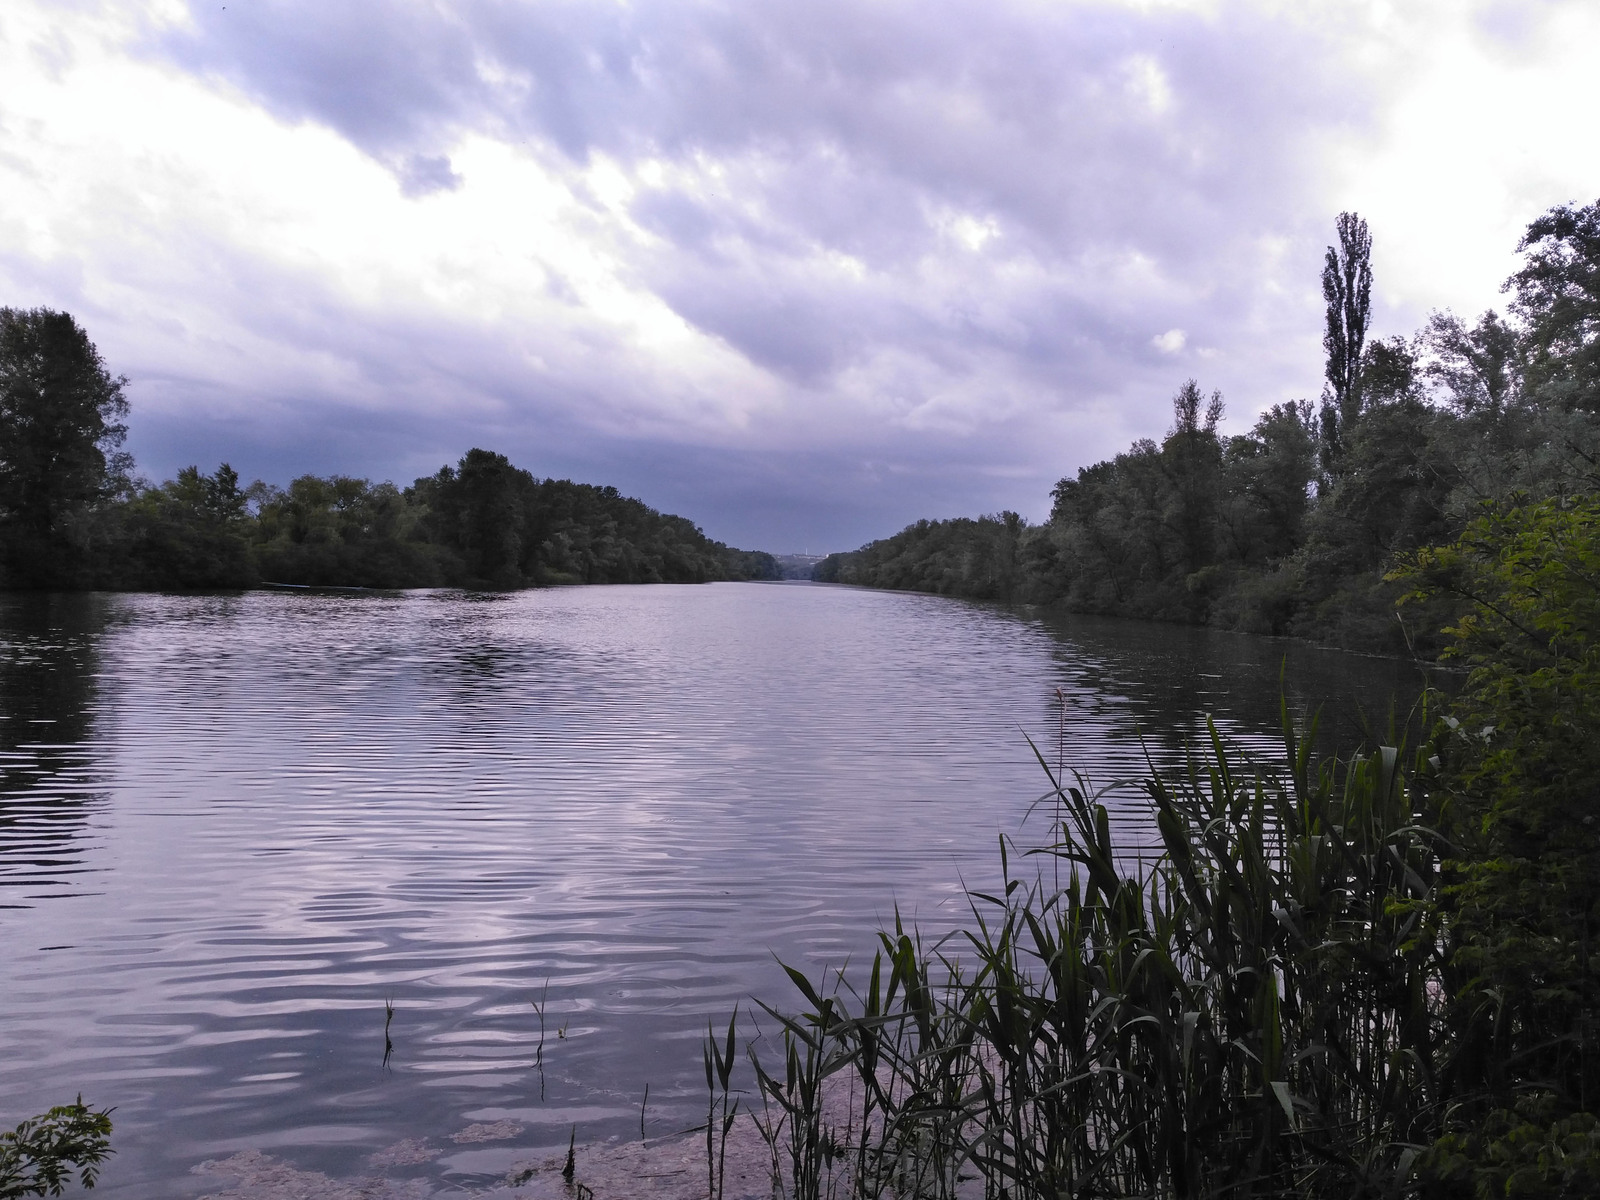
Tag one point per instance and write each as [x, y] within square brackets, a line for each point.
[314, 805]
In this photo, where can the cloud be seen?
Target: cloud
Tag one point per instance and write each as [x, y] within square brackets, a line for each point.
[806, 271]
[422, 174]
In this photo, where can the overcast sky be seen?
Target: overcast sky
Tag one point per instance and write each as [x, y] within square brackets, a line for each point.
[802, 272]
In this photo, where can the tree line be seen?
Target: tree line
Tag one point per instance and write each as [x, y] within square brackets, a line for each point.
[1292, 527]
[73, 515]
[1333, 977]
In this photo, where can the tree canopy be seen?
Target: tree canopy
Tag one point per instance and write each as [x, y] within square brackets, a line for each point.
[1291, 527]
[61, 424]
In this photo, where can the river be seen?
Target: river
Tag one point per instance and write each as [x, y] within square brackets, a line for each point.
[234, 828]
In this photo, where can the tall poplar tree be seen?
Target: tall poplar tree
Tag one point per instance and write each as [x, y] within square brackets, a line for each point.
[1347, 290]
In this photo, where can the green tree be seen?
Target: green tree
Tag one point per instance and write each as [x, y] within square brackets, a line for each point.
[191, 532]
[345, 531]
[61, 416]
[1117, 522]
[1267, 474]
[480, 512]
[1479, 370]
[1347, 291]
[1518, 761]
[1557, 297]
[1389, 495]
[1191, 458]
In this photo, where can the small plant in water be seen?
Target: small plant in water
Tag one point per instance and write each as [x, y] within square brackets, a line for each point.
[722, 1107]
[538, 1053]
[538, 1008]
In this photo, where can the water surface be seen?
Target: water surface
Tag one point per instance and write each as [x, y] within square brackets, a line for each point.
[233, 827]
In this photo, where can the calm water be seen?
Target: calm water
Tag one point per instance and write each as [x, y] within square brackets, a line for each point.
[232, 827]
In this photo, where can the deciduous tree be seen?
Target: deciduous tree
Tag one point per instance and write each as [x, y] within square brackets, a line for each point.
[1347, 290]
[1558, 299]
[61, 416]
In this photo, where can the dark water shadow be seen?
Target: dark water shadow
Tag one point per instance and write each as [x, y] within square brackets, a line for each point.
[49, 790]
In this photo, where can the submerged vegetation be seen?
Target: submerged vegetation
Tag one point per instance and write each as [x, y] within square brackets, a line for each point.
[1292, 527]
[1357, 978]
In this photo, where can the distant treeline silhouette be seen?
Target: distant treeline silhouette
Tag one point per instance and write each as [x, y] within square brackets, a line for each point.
[481, 523]
[1292, 527]
[73, 516]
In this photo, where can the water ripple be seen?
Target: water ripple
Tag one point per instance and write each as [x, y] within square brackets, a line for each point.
[232, 828]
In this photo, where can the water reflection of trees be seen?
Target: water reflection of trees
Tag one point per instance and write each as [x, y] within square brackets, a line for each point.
[49, 657]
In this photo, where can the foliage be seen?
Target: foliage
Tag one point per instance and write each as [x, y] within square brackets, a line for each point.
[1364, 979]
[1292, 527]
[71, 516]
[1256, 1012]
[1525, 1152]
[506, 528]
[481, 523]
[484, 523]
[1558, 299]
[60, 425]
[1520, 753]
[1477, 368]
[37, 1157]
[1347, 291]
[1173, 531]
[343, 531]
[960, 557]
[191, 532]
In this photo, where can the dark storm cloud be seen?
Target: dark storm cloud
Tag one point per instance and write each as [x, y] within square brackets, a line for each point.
[1034, 112]
[986, 212]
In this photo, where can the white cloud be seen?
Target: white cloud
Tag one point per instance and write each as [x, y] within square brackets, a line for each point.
[1475, 138]
[1146, 81]
[661, 243]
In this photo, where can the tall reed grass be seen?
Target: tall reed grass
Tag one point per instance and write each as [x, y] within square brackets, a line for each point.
[1255, 1010]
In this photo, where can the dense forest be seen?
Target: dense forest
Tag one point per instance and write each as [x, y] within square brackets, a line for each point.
[1293, 527]
[72, 514]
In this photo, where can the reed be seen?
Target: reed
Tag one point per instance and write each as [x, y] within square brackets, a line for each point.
[1255, 1011]
[538, 1053]
[722, 1107]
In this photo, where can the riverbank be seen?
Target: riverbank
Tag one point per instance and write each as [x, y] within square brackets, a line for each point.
[417, 1169]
